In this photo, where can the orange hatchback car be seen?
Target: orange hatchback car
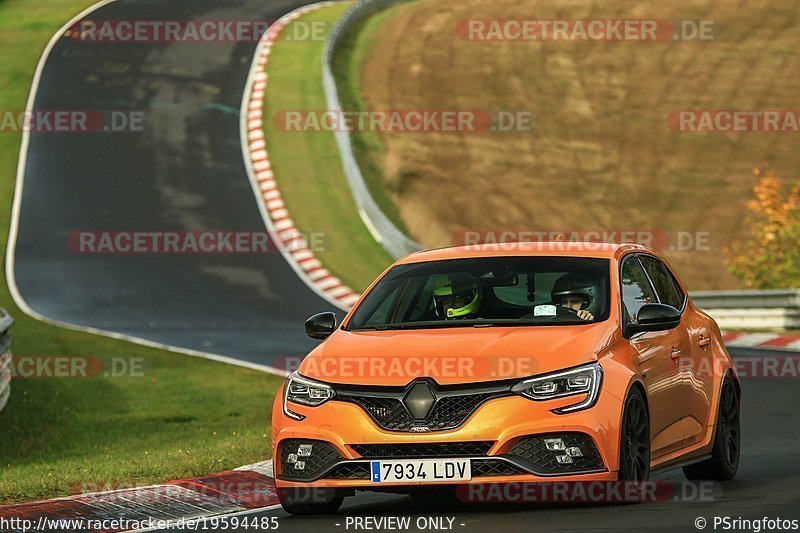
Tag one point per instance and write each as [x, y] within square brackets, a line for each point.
[508, 363]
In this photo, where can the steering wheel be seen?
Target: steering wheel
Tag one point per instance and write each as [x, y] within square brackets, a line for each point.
[568, 311]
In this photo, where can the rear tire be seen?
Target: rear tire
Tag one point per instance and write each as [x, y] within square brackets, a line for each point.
[310, 501]
[634, 451]
[724, 461]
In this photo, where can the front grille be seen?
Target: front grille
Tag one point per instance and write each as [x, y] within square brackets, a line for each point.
[323, 455]
[452, 411]
[452, 407]
[389, 413]
[448, 413]
[423, 449]
[544, 461]
[349, 471]
[494, 467]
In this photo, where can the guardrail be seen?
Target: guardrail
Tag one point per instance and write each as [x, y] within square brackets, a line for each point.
[5, 357]
[770, 309]
[394, 241]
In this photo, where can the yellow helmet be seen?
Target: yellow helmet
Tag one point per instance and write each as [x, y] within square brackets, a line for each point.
[452, 304]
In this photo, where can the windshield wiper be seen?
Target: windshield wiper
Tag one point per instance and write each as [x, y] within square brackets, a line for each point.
[410, 325]
[387, 327]
[511, 324]
[452, 324]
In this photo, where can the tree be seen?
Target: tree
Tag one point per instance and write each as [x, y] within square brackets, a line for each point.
[769, 256]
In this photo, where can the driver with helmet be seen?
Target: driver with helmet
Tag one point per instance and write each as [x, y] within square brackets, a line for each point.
[456, 300]
[576, 292]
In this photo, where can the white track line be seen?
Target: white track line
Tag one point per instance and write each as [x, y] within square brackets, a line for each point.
[14, 230]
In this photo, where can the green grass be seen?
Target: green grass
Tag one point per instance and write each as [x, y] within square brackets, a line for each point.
[185, 416]
[182, 417]
[370, 152]
[307, 166]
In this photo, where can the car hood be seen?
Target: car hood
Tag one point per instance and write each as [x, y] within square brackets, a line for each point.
[453, 355]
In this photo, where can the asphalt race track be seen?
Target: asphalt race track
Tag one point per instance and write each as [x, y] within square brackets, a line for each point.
[183, 172]
[768, 485]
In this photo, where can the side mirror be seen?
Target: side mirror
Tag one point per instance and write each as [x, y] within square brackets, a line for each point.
[321, 325]
[655, 317]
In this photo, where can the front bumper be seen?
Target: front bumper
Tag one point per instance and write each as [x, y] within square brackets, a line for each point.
[503, 438]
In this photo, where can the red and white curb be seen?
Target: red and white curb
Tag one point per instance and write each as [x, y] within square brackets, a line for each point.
[239, 491]
[287, 236]
[762, 341]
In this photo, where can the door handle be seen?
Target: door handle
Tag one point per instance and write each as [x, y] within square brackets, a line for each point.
[704, 342]
[675, 353]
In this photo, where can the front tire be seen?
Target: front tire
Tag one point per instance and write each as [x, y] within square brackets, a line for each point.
[724, 461]
[634, 455]
[310, 501]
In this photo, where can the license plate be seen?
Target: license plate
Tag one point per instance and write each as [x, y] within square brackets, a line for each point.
[421, 470]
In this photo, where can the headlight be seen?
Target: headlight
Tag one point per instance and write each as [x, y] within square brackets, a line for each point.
[581, 380]
[304, 391]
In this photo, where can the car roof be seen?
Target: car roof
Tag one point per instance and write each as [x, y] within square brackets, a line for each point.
[543, 249]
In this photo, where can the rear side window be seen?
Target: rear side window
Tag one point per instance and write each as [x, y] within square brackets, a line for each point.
[664, 282]
[636, 290]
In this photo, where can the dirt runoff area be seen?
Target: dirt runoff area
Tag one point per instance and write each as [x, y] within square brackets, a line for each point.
[644, 118]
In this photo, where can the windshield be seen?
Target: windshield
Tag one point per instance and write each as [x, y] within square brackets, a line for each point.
[478, 292]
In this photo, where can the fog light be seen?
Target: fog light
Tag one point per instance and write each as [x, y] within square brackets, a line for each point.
[574, 451]
[554, 445]
[304, 450]
[292, 458]
[564, 459]
[301, 465]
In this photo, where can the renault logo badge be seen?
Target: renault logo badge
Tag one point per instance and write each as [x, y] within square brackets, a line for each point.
[419, 401]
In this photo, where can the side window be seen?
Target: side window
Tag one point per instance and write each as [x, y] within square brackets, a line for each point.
[665, 284]
[636, 290]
